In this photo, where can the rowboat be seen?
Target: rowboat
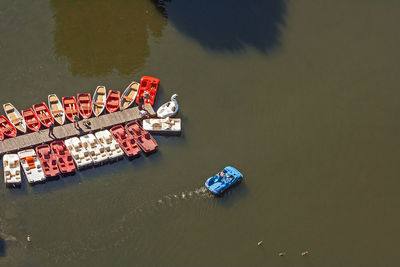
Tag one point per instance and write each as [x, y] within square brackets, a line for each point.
[99, 100]
[70, 107]
[80, 155]
[31, 166]
[96, 150]
[63, 157]
[47, 160]
[169, 109]
[15, 117]
[7, 128]
[111, 146]
[31, 120]
[149, 85]
[84, 105]
[12, 169]
[1, 136]
[44, 115]
[125, 140]
[112, 101]
[129, 95]
[56, 108]
[142, 137]
[163, 126]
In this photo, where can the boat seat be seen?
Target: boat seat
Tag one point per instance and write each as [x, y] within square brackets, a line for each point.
[53, 101]
[85, 108]
[98, 103]
[113, 103]
[69, 101]
[16, 120]
[57, 111]
[100, 93]
[127, 98]
[84, 98]
[40, 108]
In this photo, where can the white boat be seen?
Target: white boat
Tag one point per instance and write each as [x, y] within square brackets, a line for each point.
[96, 150]
[169, 109]
[56, 109]
[163, 126]
[15, 117]
[99, 100]
[129, 95]
[12, 169]
[111, 146]
[80, 154]
[31, 166]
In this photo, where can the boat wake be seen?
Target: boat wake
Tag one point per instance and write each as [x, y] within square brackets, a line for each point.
[199, 193]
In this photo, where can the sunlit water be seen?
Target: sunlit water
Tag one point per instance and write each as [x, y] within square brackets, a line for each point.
[302, 97]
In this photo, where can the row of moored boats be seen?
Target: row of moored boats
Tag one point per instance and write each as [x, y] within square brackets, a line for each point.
[84, 106]
[47, 161]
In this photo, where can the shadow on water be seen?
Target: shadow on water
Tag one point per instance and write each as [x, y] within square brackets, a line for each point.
[97, 37]
[227, 25]
[2, 247]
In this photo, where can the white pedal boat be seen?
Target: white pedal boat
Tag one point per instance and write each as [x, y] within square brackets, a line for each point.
[31, 166]
[96, 150]
[111, 146]
[12, 169]
[169, 109]
[163, 126]
[80, 154]
[15, 117]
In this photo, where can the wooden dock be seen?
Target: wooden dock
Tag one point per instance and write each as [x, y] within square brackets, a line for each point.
[106, 121]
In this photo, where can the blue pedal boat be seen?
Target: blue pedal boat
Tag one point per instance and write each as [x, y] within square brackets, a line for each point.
[223, 180]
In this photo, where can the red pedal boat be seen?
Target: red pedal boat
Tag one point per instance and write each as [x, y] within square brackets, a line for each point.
[85, 105]
[32, 121]
[43, 114]
[63, 157]
[47, 160]
[125, 140]
[112, 101]
[149, 85]
[7, 128]
[70, 107]
[142, 137]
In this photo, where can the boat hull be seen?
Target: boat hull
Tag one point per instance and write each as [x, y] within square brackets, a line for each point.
[7, 128]
[43, 114]
[218, 184]
[150, 85]
[70, 107]
[143, 138]
[15, 117]
[56, 109]
[85, 105]
[32, 121]
[99, 100]
[126, 141]
[128, 97]
[112, 101]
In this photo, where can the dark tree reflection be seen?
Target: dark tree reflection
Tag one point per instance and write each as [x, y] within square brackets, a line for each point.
[99, 36]
[227, 25]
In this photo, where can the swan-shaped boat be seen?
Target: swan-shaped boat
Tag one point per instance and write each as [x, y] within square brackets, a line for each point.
[169, 109]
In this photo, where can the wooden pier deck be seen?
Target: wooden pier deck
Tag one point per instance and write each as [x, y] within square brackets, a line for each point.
[68, 130]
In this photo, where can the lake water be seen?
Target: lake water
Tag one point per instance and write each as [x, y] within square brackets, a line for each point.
[301, 96]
